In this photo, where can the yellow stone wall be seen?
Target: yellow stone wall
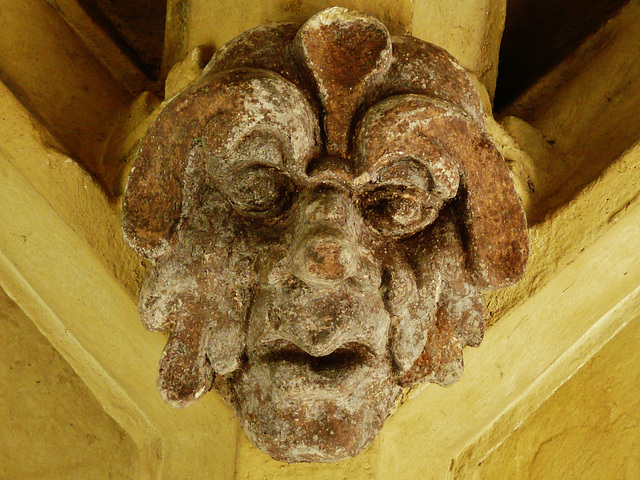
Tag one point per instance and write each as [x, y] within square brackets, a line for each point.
[51, 425]
[551, 393]
[589, 428]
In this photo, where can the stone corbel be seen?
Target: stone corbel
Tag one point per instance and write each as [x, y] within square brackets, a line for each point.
[323, 209]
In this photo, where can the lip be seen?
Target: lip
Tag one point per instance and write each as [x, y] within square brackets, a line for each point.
[288, 399]
[341, 359]
[291, 368]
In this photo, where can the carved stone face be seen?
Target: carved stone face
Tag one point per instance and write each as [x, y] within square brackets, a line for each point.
[322, 210]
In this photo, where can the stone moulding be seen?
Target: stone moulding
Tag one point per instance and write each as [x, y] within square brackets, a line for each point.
[322, 209]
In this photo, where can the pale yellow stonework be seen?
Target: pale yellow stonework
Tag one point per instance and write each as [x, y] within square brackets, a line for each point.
[51, 426]
[589, 428]
[550, 393]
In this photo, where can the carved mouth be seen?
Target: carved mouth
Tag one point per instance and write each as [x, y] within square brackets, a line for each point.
[288, 361]
[348, 355]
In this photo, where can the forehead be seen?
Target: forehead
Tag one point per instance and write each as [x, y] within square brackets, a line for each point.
[267, 120]
[266, 117]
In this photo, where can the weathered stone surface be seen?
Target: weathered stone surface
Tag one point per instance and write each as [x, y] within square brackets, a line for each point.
[323, 209]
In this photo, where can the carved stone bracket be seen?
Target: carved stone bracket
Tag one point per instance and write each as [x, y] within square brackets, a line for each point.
[323, 209]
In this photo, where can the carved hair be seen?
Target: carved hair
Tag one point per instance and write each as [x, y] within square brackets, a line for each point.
[441, 100]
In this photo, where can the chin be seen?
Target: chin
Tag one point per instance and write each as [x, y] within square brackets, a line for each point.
[297, 408]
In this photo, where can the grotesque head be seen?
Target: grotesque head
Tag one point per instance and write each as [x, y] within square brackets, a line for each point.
[322, 209]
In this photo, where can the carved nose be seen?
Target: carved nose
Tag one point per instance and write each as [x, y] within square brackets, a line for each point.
[324, 252]
[328, 259]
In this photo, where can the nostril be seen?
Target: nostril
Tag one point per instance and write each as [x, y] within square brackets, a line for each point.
[328, 260]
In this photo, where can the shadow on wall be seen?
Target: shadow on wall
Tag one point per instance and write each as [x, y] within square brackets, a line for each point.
[138, 27]
[539, 34]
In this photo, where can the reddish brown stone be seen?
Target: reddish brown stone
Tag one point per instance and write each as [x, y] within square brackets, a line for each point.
[322, 210]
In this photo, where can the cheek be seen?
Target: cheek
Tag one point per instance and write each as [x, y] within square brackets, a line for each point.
[399, 285]
[163, 294]
[399, 288]
[213, 271]
[413, 289]
[226, 289]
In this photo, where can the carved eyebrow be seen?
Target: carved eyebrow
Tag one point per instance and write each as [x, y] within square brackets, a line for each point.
[394, 130]
[435, 173]
[268, 106]
[396, 123]
[401, 170]
[265, 145]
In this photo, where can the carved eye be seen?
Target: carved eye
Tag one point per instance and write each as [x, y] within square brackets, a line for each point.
[397, 210]
[402, 199]
[261, 190]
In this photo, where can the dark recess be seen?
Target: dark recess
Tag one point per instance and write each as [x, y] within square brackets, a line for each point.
[539, 34]
[137, 26]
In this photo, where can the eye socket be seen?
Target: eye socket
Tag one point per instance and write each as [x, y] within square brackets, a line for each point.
[404, 196]
[261, 190]
[399, 211]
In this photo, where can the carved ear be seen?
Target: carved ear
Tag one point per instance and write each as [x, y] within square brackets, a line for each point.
[494, 224]
[217, 113]
[153, 195]
[494, 220]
